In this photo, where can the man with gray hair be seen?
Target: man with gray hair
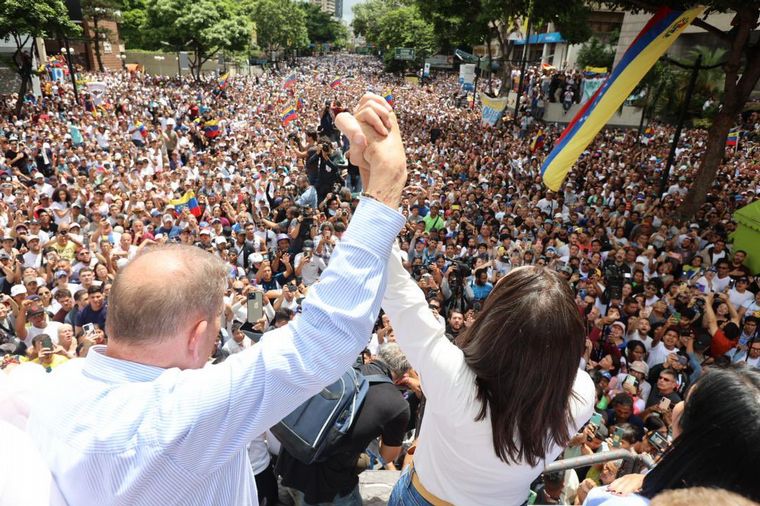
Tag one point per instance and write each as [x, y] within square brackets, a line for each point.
[384, 414]
[141, 421]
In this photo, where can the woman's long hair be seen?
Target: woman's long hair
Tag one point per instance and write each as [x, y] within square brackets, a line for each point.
[525, 348]
[719, 444]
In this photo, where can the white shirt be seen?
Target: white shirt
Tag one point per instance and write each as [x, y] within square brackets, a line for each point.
[658, 354]
[738, 299]
[233, 346]
[455, 457]
[311, 269]
[122, 433]
[51, 329]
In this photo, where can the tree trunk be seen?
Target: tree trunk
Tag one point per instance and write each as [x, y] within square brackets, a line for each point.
[25, 78]
[736, 93]
[96, 34]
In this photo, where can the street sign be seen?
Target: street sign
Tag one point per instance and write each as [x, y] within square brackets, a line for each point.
[404, 53]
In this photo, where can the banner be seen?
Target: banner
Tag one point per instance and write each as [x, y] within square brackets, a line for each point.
[467, 73]
[590, 86]
[492, 109]
[653, 40]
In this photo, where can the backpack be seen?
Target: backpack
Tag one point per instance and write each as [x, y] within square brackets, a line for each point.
[315, 427]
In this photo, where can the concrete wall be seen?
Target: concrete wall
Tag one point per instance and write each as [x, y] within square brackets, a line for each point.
[627, 117]
[166, 65]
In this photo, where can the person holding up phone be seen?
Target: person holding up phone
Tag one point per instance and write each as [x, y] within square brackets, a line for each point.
[665, 389]
[45, 351]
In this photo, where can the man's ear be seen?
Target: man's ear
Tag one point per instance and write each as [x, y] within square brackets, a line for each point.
[195, 340]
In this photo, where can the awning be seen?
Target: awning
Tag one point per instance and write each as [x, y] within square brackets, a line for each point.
[542, 38]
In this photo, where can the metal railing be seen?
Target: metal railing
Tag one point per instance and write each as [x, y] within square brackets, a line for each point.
[599, 458]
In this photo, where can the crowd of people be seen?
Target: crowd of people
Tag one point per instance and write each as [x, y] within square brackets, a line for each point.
[89, 186]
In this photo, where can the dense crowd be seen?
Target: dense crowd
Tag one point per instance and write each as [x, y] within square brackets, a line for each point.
[86, 186]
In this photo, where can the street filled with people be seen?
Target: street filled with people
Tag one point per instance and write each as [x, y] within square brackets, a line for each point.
[256, 171]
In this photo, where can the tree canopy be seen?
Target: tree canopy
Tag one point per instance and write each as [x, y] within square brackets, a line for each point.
[23, 21]
[280, 24]
[389, 25]
[321, 27]
[203, 26]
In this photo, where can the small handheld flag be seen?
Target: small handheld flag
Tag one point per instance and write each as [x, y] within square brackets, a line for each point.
[289, 82]
[211, 129]
[733, 138]
[336, 82]
[188, 201]
[538, 142]
[288, 114]
[223, 80]
[388, 96]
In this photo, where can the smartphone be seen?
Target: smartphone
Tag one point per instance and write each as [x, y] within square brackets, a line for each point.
[617, 437]
[659, 441]
[677, 316]
[255, 306]
[88, 328]
[47, 343]
[631, 380]
[596, 420]
[664, 404]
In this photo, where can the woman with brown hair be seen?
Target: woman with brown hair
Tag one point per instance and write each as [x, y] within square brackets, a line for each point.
[501, 402]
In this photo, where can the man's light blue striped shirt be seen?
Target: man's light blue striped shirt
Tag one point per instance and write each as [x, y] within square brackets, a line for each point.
[122, 433]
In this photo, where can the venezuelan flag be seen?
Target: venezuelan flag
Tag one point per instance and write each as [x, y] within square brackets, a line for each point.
[388, 96]
[653, 40]
[733, 138]
[188, 201]
[223, 80]
[141, 127]
[649, 132]
[538, 142]
[300, 104]
[290, 81]
[336, 82]
[288, 114]
[211, 128]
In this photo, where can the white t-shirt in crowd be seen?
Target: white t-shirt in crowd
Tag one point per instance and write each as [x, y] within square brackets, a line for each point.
[738, 299]
[658, 354]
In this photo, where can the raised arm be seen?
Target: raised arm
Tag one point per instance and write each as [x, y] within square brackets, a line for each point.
[254, 389]
[420, 335]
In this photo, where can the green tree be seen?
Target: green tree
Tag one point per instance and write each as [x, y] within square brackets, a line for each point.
[321, 27]
[741, 72]
[393, 24]
[133, 18]
[95, 12]
[595, 53]
[405, 27]
[202, 26]
[280, 24]
[471, 22]
[23, 21]
[367, 15]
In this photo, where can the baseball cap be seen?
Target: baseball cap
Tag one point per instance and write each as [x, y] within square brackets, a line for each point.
[205, 231]
[17, 290]
[282, 237]
[308, 243]
[34, 310]
[61, 273]
[4, 255]
[256, 258]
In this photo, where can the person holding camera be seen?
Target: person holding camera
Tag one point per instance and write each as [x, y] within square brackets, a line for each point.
[330, 163]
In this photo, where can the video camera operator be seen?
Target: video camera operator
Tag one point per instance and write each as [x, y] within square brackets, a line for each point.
[330, 163]
[457, 294]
